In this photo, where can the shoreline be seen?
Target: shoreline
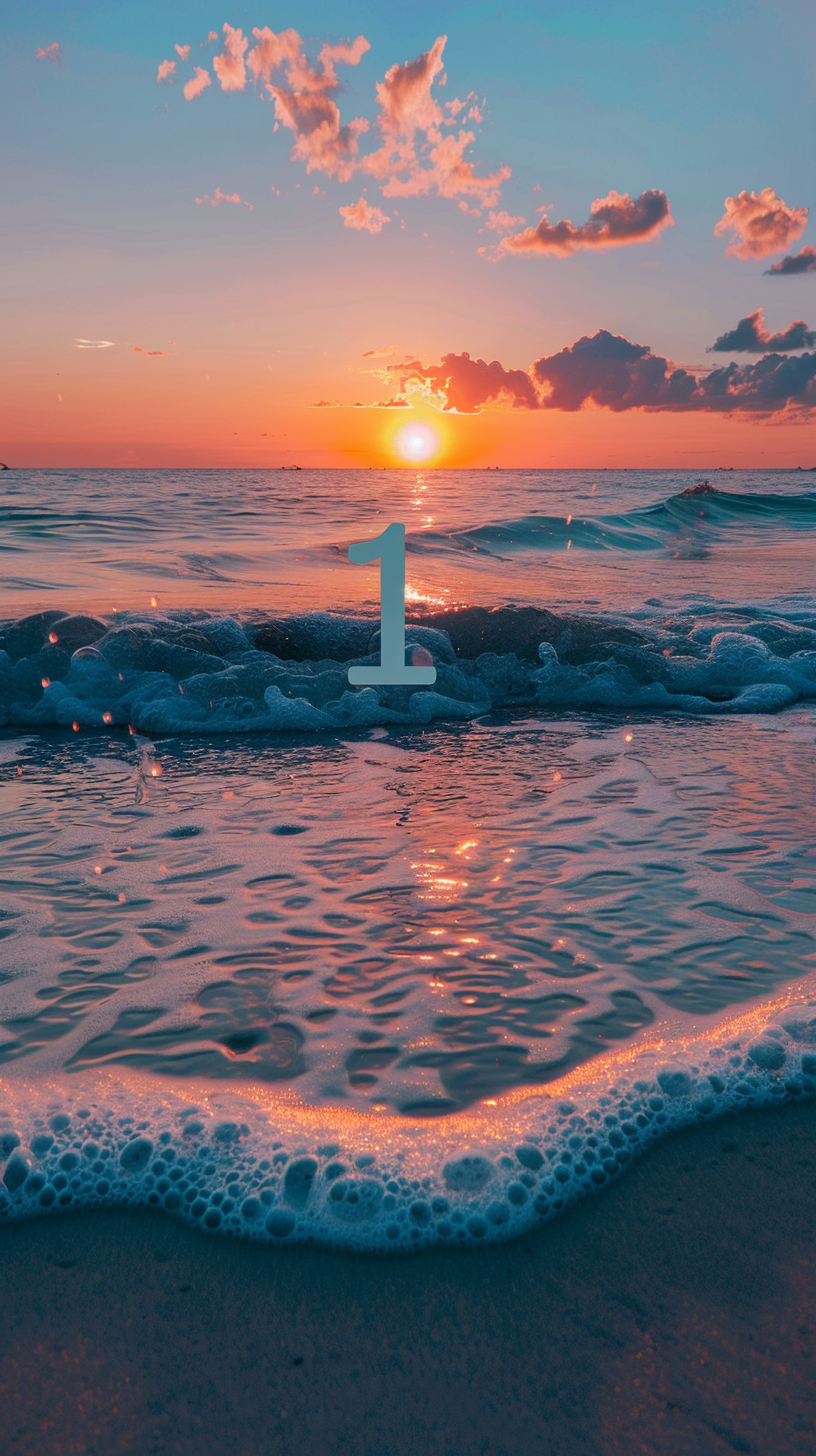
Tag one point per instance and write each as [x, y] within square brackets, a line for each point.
[673, 1313]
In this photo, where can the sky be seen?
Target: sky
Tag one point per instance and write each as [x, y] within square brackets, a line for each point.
[539, 235]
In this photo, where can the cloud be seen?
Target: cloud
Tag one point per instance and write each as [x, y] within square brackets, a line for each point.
[465, 385]
[396, 403]
[94, 343]
[414, 155]
[183, 52]
[271, 51]
[304, 105]
[608, 372]
[320, 139]
[380, 353]
[361, 216]
[503, 222]
[615, 221]
[802, 262]
[229, 66]
[415, 158]
[154, 352]
[198, 83]
[219, 197]
[50, 52]
[761, 223]
[350, 53]
[166, 71]
[751, 337]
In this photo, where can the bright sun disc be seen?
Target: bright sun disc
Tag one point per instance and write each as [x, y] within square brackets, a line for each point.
[416, 442]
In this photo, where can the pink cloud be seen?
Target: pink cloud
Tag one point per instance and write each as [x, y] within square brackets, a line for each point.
[219, 197]
[349, 52]
[364, 218]
[615, 221]
[761, 224]
[199, 82]
[166, 71]
[304, 106]
[606, 371]
[183, 52]
[415, 159]
[466, 385]
[503, 222]
[383, 353]
[50, 52]
[272, 51]
[320, 139]
[229, 66]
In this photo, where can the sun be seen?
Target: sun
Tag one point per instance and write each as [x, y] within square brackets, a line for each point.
[416, 442]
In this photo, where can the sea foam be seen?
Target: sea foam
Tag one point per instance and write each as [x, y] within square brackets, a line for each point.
[189, 672]
[279, 1172]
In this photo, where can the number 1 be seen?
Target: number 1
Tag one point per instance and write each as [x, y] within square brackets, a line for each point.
[389, 548]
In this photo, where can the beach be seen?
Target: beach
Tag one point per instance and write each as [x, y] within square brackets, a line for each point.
[674, 1313]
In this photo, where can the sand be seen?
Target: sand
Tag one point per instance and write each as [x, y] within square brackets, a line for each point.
[675, 1313]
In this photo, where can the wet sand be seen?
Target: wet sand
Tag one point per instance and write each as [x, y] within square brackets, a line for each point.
[673, 1314]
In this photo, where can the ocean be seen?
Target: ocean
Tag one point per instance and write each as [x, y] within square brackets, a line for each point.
[386, 967]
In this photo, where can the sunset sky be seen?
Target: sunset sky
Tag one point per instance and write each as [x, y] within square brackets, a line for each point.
[288, 263]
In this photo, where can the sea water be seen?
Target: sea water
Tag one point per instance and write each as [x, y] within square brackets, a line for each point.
[384, 967]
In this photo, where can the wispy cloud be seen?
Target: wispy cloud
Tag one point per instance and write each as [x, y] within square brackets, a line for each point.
[383, 353]
[397, 402]
[606, 371]
[751, 337]
[198, 82]
[94, 343]
[153, 352]
[615, 221]
[166, 71]
[50, 52]
[503, 222]
[364, 218]
[761, 224]
[218, 197]
[801, 262]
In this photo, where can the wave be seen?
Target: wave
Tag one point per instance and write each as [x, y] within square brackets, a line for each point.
[190, 672]
[700, 512]
[294, 1174]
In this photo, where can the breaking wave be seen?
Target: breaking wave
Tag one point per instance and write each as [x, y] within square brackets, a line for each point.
[701, 512]
[189, 672]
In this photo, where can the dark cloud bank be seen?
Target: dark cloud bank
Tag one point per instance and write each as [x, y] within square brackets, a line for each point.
[608, 371]
[751, 337]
